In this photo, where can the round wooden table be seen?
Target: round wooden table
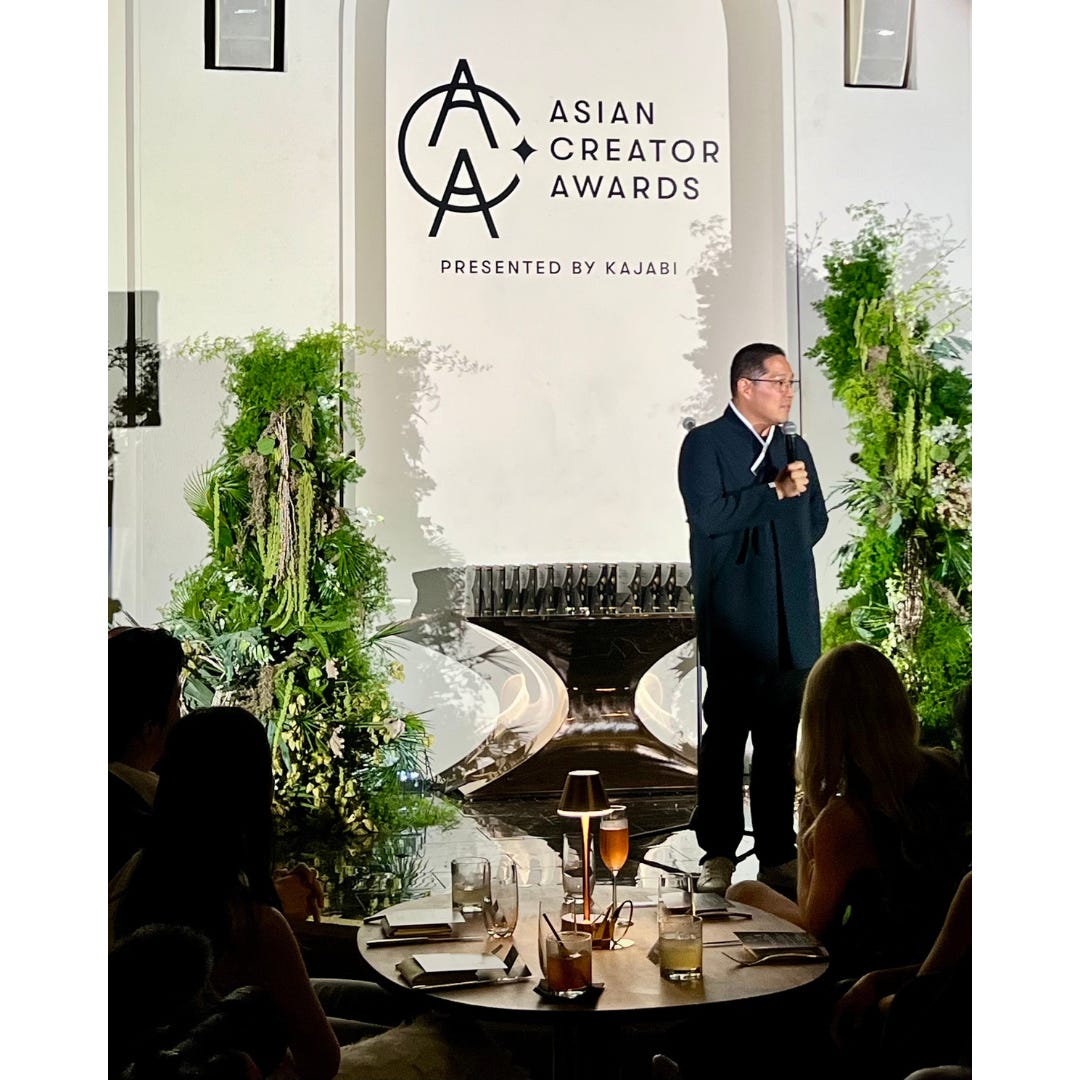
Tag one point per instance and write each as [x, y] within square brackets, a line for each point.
[633, 989]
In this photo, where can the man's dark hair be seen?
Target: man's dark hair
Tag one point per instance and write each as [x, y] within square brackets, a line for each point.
[749, 362]
[144, 665]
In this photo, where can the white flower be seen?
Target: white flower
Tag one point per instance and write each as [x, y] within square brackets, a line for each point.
[330, 668]
[944, 433]
[366, 517]
[337, 743]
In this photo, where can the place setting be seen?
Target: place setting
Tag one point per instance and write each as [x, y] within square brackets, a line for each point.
[483, 909]
[466, 939]
[484, 904]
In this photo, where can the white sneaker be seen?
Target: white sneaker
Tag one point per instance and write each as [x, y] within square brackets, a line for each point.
[784, 877]
[715, 874]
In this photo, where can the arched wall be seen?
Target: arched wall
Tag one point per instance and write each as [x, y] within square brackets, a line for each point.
[577, 426]
[238, 199]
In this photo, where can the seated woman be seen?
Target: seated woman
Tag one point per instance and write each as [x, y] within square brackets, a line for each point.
[884, 825]
[207, 866]
[894, 1020]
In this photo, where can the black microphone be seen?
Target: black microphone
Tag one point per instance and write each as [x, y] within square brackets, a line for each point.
[789, 428]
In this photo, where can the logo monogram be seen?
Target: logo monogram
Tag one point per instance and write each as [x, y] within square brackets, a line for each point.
[463, 180]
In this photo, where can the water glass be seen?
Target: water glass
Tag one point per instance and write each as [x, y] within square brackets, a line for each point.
[470, 890]
[501, 912]
[680, 947]
[673, 895]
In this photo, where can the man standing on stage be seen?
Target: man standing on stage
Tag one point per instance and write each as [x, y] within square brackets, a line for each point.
[755, 513]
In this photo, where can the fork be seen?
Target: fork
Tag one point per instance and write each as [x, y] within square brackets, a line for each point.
[803, 957]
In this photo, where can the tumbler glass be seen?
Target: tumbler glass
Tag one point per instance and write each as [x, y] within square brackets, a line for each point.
[569, 963]
[501, 911]
[470, 890]
[673, 895]
[680, 947]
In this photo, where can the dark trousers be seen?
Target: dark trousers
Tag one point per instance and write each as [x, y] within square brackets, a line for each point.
[765, 707]
[356, 1009]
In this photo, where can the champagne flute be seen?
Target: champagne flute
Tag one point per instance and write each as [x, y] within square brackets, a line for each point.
[614, 850]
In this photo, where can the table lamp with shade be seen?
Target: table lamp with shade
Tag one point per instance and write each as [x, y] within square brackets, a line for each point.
[583, 797]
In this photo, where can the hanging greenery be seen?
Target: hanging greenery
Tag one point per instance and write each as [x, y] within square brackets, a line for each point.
[893, 357]
[280, 619]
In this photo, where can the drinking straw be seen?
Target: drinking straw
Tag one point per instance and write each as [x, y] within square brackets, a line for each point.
[558, 936]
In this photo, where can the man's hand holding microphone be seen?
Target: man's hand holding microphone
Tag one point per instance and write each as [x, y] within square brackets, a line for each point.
[792, 480]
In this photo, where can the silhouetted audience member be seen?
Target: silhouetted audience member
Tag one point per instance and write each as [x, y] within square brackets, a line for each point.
[158, 976]
[883, 842]
[166, 1022]
[207, 865]
[894, 1020]
[144, 703]
[884, 826]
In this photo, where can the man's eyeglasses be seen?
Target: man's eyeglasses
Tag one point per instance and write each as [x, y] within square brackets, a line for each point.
[781, 384]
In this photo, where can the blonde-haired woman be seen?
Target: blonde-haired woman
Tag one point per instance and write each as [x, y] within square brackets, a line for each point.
[884, 823]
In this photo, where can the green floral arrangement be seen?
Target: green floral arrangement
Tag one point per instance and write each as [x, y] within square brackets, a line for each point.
[893, 358]
[281, 617]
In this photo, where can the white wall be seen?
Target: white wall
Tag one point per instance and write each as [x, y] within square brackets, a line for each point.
[236, 213]
[559, 442]
[905, 148]
[238, 208]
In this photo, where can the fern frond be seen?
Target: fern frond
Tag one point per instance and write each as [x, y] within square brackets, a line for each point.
[197, 493]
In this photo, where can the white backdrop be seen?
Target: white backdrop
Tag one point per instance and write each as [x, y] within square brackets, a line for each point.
[556, 436]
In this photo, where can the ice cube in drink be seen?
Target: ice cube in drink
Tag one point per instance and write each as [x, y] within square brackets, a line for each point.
[569, 963]
[680, 948]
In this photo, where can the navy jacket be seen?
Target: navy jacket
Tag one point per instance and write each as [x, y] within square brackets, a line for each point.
[751, 553]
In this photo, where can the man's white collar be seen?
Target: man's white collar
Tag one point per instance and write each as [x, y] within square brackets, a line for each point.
[764, 442]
